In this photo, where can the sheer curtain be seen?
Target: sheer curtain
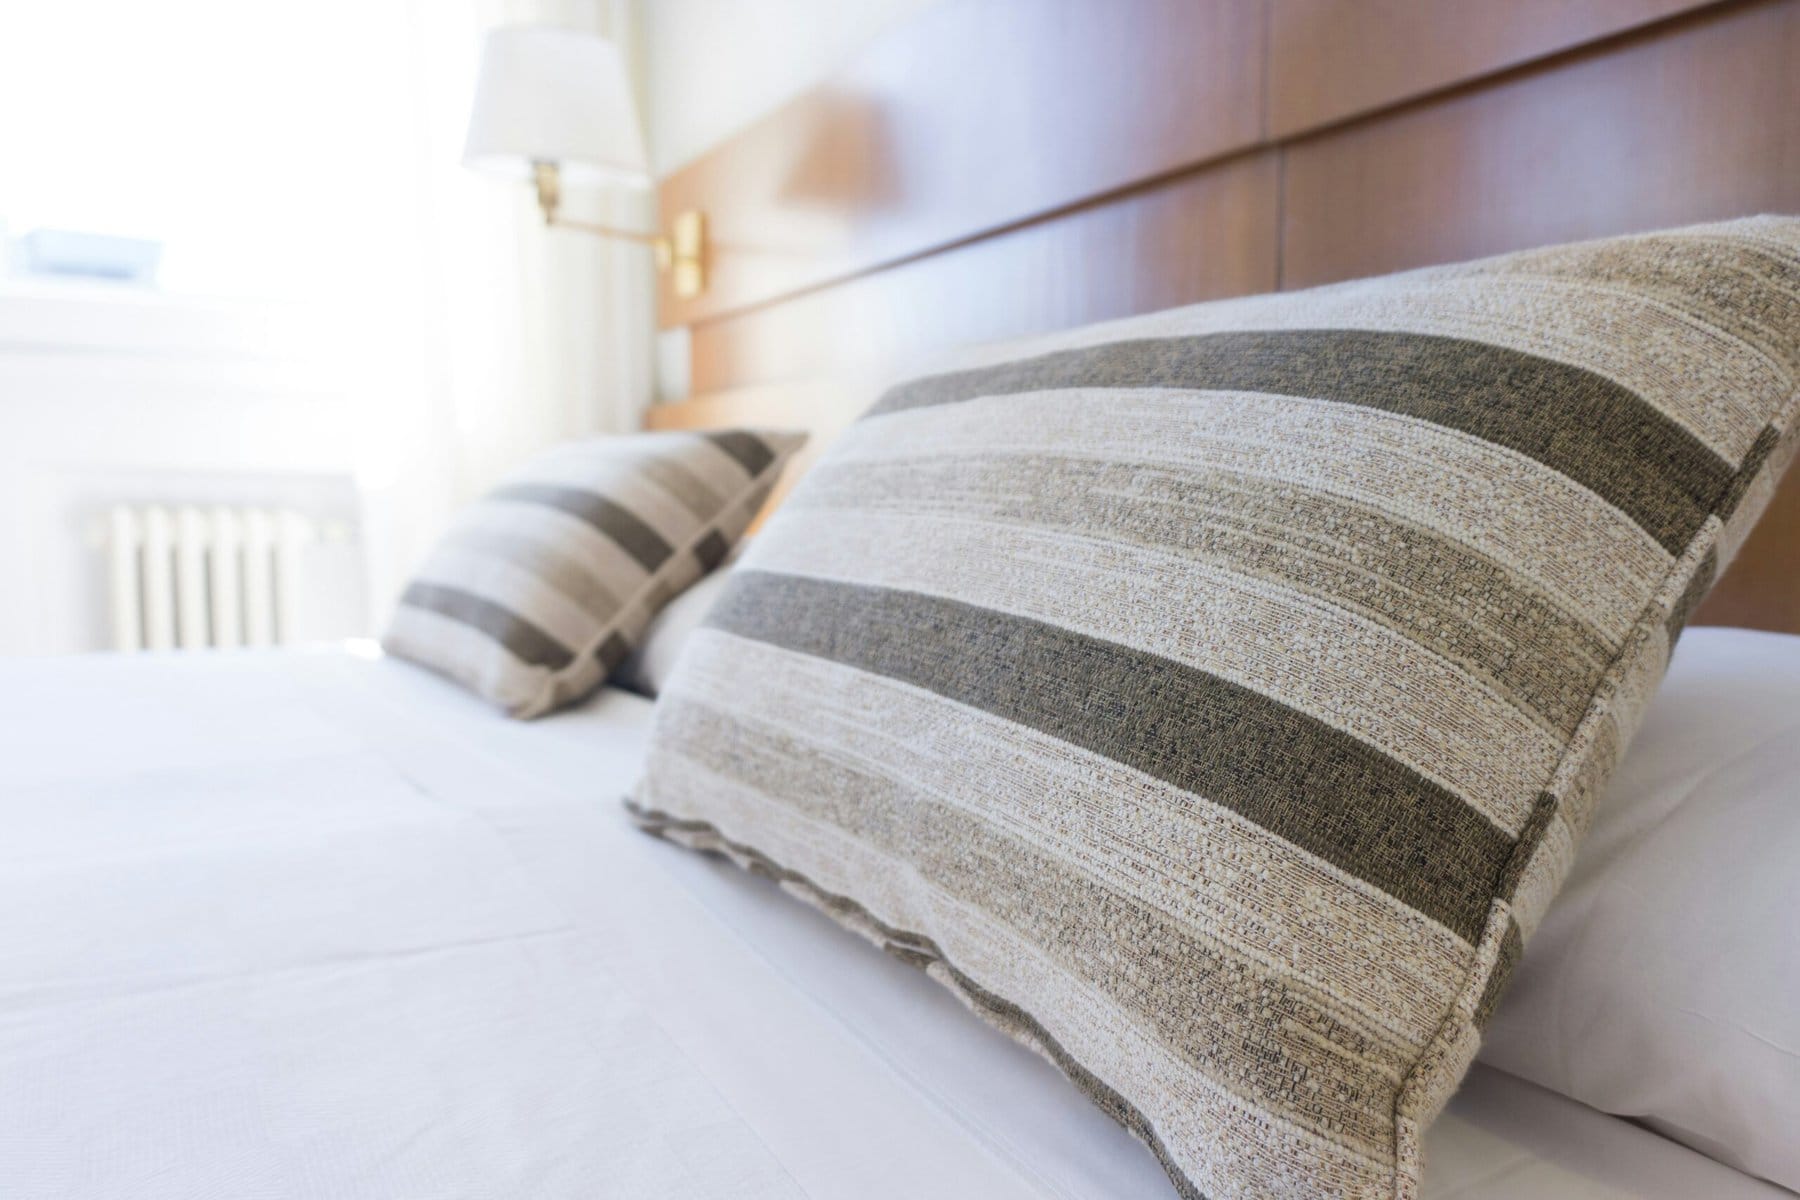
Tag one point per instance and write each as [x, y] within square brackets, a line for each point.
[531, 335]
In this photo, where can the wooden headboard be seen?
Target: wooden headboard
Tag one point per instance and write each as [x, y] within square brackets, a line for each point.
[994, 168]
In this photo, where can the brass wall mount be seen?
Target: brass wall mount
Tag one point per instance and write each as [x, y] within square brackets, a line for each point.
[680, 253]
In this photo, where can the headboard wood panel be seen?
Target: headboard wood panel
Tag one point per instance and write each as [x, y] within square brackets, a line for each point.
[1001, 167]
[1698, 122]
[1334, 59]
[974, 116]
[1201, 236]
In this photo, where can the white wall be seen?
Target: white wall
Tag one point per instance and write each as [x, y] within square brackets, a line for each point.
[713, 66]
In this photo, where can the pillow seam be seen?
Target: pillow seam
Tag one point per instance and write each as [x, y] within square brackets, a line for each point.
[1408, 1156]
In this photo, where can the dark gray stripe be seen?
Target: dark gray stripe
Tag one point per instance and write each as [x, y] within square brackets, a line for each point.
[613, 651]
[523, 640]
[1470, 608]
[1318, 787]
[1574, 421]
[616, 522]
[711, 550]
[752, 453]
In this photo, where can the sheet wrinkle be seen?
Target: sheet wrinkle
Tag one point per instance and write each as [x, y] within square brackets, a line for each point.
[14, 1003]
[504, 840]
[153, 775]
[998, 1146]
[1708, 776]
[1740, 1028]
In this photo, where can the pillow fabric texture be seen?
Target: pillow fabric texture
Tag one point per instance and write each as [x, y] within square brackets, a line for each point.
[1214, 699]
[1664, 983]
[544, 585]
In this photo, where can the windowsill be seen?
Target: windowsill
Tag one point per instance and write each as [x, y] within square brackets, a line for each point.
[40, 315]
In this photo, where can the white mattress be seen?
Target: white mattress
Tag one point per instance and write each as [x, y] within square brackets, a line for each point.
[319, 925]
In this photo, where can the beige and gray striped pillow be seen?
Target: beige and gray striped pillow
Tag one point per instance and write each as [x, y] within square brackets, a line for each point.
[1214, 699]
[544, 585]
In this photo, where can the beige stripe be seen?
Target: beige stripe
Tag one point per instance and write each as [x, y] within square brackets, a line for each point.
[631, 490]
[1705, 379]
[1504, 504]
[518, 591]
[573, 578]
[1105, 1037]
[541, 525]
[1438, 593]
[1395, 968]
[1345, 670]
[686, 486]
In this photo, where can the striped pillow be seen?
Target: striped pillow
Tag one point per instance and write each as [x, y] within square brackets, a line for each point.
[544, 585]
[1214, 699]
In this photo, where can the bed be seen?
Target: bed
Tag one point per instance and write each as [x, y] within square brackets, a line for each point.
[306, 924]
[322, 924]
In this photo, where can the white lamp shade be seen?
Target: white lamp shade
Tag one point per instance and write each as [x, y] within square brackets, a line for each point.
[558, 96]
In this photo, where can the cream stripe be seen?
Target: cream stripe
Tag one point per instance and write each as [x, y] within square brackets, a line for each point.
[1703, 378]
[567, 535]
[518, 591]
[1350, 672]
[1105, 1038]
[630, 490]
[1168, 849]
[572, 577]
[1508, 506]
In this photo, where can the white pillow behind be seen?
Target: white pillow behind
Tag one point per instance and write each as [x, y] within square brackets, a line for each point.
[1664, 983]
[645, 671]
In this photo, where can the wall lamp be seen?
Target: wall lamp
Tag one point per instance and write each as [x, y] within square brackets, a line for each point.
[553, 106]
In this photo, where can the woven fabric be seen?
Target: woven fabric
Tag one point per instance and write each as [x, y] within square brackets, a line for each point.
[1214, 699]
[543, 586]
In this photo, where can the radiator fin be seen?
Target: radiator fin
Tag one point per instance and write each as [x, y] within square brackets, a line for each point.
[194, 578]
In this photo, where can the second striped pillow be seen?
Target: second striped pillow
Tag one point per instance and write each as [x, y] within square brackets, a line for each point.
[544, 585]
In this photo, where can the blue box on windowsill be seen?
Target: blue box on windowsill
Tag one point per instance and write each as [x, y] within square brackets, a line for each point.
[87, 256]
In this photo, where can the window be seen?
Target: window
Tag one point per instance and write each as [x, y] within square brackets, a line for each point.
[270, 149]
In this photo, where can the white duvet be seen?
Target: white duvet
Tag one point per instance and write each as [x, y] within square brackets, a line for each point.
[320, 926]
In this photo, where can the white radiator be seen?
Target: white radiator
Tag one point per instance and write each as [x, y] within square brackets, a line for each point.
[190, 577]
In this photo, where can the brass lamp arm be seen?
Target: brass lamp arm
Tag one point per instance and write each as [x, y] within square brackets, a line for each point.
[656, 241]
[682, 253]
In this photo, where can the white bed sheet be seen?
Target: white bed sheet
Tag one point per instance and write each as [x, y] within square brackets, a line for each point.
[321, 925]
